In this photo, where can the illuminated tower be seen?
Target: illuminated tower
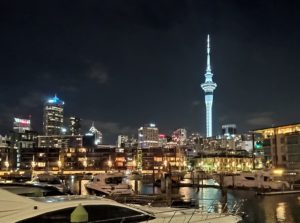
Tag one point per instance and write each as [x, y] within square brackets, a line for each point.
[53, 116]
[208, 87]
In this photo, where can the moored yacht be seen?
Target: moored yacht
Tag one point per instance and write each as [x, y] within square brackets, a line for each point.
[258, 179]
[48, 179]
[109, 184]
[18, 209]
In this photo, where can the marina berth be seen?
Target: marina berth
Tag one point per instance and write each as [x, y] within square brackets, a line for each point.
[109, 184]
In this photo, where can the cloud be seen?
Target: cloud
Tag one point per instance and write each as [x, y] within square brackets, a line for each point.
[261, 119]
[69, 88]
[32, 100]
[98, 73]
[196, 103]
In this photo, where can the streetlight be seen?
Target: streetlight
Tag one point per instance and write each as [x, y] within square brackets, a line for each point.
[133, 164]
[109, 163]
[6, 163]
[84, 163]
[33, 163]
[59, 164]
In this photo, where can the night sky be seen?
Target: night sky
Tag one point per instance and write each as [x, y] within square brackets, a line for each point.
[126, 63]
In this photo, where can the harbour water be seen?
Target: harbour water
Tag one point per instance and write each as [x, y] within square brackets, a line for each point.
[257, 209]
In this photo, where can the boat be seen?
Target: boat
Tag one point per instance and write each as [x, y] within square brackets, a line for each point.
[110, 184]
[63, 209]
[48, 179]
[135, 175]
[31, 190]
[259, 179]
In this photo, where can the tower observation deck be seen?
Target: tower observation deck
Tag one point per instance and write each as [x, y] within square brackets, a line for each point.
[208, 87]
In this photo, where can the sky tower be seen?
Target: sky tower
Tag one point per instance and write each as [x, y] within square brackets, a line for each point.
[208, 87]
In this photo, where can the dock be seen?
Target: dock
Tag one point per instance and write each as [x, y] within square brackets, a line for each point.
[269, 193]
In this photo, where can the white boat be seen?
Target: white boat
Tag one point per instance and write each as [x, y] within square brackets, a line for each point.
[109, 184]
[258, 179]
[46, 179]
[18, 209]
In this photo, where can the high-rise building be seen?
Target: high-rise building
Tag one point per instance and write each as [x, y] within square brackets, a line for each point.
[122, 139]
[229, 130]
[148, 136]
[53, 116]
[179, 136]
[97, 135]
[208, 87]
[74, 125]
[21, 125]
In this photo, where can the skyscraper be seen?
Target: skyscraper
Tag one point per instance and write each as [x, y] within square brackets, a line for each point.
[96, 134]
[148, 136]
[53, 116]
[208, 87]
[74, 125]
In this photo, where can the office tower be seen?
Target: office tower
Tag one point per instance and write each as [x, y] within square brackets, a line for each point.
[97, 135]
[122, 139]
[148, 136]
[74, 125]
[208, 87]
[229, 130]
[53, 116]
[21, 125]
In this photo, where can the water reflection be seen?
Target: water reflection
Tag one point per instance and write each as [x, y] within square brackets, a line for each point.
[281, 212]
[268, 209]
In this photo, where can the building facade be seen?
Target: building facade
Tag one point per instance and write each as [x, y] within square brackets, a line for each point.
[74, 125]
[148, 136]
[281, 145]
[21, 125]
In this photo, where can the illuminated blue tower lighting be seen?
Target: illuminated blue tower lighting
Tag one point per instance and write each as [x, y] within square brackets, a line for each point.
[208, 87]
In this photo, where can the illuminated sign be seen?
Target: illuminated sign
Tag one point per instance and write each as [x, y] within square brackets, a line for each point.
[22, 121]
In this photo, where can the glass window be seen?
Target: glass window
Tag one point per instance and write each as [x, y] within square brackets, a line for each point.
[103, 213]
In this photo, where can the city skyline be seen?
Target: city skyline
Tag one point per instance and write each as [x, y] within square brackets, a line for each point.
[123, 65]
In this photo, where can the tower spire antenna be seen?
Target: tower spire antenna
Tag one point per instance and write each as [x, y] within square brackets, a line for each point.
[208, 87]
[208, 68]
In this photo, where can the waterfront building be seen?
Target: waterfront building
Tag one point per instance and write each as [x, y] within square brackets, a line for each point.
[208, 87]
[19, 141]
[162, 158]
[4, 153]
[60, 141]
[148, 136]
[281, 145]
[74, 125]
[39, 159]
[53, 116]
[227, 161]
[96, 134]
[21, 125]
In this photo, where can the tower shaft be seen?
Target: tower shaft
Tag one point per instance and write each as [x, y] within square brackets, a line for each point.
[208, 87]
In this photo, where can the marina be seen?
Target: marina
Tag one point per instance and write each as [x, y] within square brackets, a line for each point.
[252, 205]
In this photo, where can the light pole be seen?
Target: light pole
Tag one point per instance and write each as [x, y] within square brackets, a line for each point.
[109, 163]
[6, 163]
[59, 164]
[33, 163]
[84, 163]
